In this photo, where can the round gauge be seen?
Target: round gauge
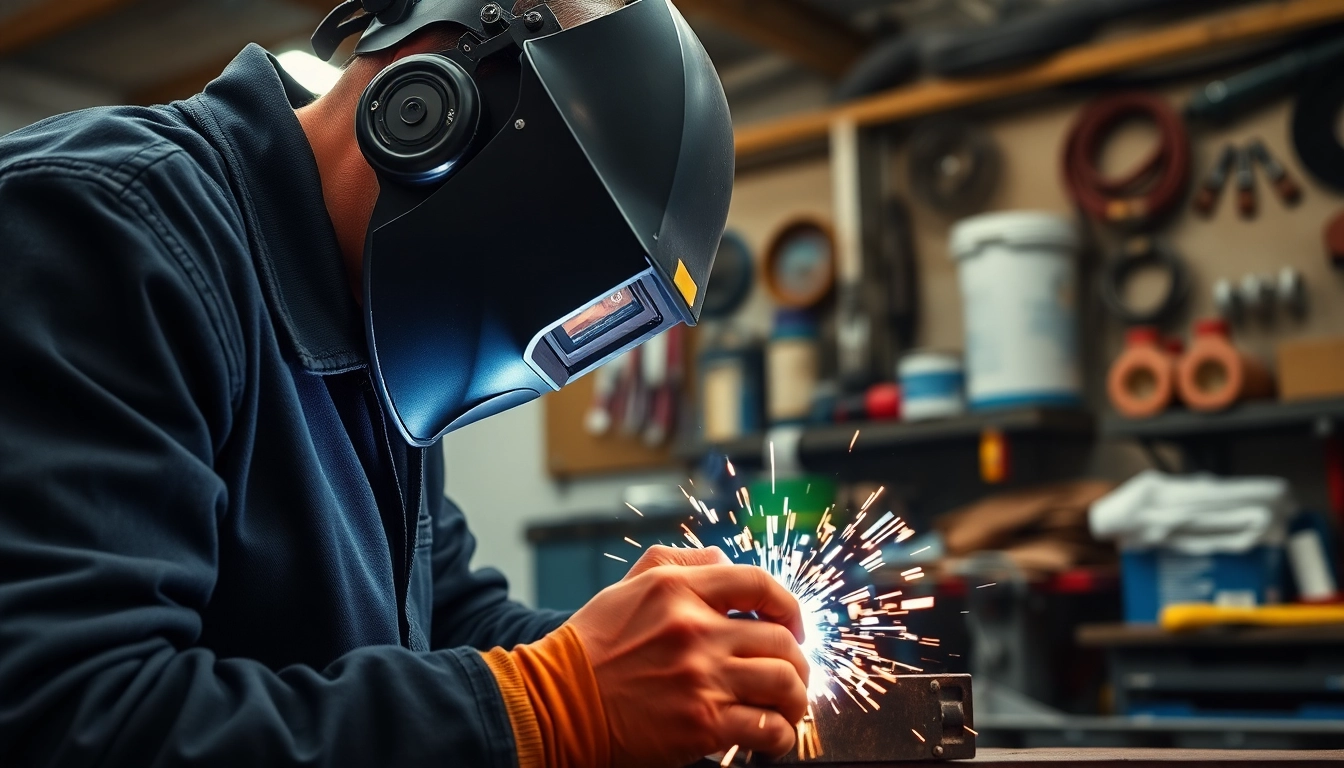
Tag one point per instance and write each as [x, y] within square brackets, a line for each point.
[800, 265]
[730, 280]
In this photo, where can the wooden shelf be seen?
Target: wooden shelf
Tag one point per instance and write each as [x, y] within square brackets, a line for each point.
[884, 437]
[1169, 43]
[1248, 418]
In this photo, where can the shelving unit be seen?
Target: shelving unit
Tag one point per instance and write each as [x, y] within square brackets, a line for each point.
[824, 446]
[1318, 417]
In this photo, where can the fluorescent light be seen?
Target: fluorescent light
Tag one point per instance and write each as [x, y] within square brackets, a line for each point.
[312, 73]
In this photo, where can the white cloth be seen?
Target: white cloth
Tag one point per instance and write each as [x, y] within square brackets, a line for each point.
[1194, 514]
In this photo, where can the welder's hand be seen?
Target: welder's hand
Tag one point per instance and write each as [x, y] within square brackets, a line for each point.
[680, 680]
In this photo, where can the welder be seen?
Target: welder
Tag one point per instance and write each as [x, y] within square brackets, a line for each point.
[234, 329]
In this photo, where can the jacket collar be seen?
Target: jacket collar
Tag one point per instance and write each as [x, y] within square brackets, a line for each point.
[248, 114]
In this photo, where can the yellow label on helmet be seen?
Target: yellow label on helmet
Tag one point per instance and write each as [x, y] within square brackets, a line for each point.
[685, 283]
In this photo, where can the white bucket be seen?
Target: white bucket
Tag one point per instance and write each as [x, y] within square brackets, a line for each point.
[1019, 291]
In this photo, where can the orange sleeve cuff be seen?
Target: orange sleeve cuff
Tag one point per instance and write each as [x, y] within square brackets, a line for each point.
[526, 733]
[558, 720]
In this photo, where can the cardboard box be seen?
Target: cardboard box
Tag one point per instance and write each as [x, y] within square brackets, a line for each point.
[1311, 369]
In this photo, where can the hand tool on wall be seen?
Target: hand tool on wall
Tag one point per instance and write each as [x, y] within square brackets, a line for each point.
[1206, 200]
[1227, 300]
[1291, 292]
[1257, 296]
[1288, 190]
[1247, 205]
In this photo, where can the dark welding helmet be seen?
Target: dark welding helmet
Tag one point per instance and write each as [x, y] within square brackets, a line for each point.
[549, 199]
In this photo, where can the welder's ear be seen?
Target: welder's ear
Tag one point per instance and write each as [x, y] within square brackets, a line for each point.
[658, 555]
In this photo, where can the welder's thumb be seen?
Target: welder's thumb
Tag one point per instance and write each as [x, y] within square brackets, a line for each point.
[657, 556]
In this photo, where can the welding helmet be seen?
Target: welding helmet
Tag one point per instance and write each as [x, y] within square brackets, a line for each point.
[548, 198]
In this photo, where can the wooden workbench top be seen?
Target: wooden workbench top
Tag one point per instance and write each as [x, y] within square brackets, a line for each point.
[1146, 758]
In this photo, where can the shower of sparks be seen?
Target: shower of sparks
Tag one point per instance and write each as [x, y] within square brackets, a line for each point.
[853, 440]
[728, 756]
[632, 509]
[633, 543]
[843, 622]
[971, 730]
[732, 471]
[990, 584]
[613, 557]
[918, 735]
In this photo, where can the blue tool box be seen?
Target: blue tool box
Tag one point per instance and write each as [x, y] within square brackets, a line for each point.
[1152, 579]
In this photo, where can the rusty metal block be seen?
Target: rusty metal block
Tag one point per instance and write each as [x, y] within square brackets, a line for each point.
[922, 718]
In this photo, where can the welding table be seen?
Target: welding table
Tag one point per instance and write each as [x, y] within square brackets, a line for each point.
[1146, 758]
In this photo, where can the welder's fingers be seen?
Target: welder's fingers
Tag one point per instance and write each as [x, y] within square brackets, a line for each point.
[759, 730]
[658, 555]
[768, 684]
[747, 588]
[764, 640]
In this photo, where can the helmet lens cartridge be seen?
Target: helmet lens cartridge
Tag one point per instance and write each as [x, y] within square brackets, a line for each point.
[621, 319]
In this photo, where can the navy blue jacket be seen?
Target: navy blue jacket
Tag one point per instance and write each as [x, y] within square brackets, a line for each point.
[213, 549]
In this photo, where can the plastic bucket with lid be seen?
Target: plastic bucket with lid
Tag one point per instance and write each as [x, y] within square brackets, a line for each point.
[1018, 279]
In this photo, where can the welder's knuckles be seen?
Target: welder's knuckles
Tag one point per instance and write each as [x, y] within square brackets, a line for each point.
[659, 555]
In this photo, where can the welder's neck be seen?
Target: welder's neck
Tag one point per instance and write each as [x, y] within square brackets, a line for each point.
[349, 185]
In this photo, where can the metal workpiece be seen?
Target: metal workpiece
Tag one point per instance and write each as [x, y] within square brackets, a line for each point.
[922, 718]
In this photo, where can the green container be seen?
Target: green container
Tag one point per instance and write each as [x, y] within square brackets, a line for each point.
[809, 496]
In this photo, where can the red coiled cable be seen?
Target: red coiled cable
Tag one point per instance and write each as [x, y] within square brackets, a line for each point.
[1154, 189]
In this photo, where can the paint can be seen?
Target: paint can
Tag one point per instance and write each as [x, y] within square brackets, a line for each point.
[1018, 277]
[932, 385]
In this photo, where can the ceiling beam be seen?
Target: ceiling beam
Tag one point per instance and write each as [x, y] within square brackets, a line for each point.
[789, 27]
[45, 19]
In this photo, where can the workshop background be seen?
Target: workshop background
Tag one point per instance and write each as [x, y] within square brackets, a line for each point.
[1060, 282]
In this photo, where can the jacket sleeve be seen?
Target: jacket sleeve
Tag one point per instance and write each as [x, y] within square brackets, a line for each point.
[472, 608]
[120, 368]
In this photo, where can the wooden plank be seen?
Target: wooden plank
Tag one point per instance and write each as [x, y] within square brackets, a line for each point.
[1103, 58]
[807, 36]
[46, 19]
[1150, 758]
